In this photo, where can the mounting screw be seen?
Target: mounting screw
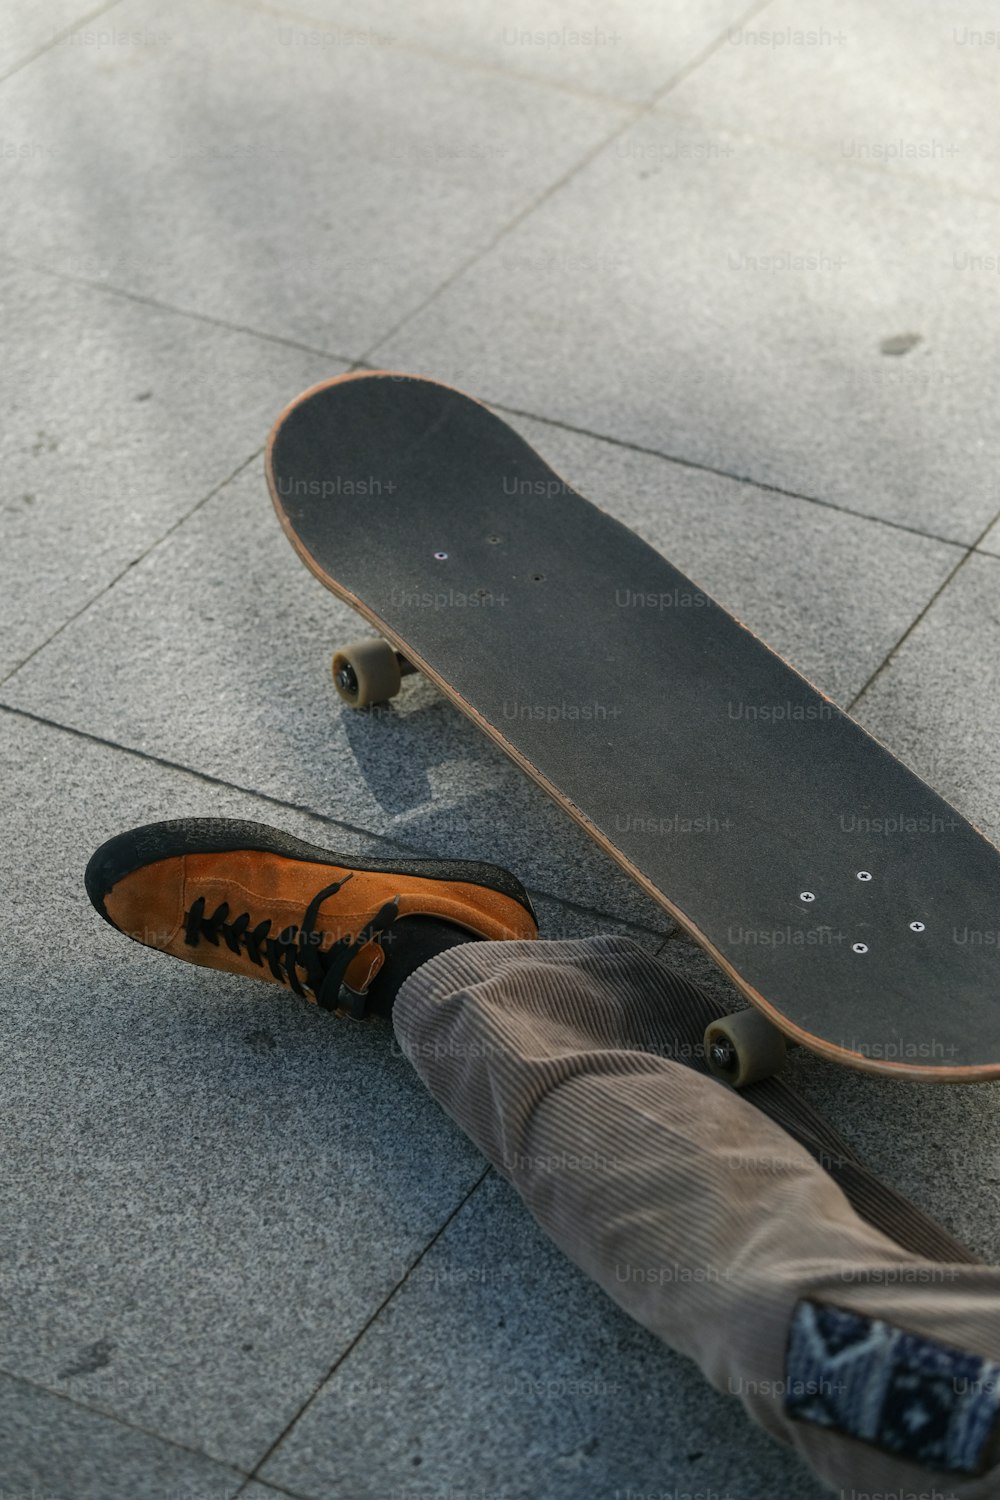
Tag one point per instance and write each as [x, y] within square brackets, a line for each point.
[916, 926]
[806, 896]
[864, 874]
[859, 947]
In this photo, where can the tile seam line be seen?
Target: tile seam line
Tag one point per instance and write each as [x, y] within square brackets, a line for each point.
[709, 468]
[359, 362]
[133, 563]
[635, 113]
[638, 109]
[267, 1484]
[972, 550]
[394, 846]
[364, 360]
[168, 307]
[349, 1350]
[744, 479]
[56, 1395]
[364, 363]
[57, 38]
[702, 468]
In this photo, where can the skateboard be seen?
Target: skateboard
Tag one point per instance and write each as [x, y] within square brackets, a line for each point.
[851, 905]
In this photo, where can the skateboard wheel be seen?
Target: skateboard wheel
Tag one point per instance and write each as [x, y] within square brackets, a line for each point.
[366, 672]
[744, 1048]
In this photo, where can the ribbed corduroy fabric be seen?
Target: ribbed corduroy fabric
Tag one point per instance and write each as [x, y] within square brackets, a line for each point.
[577, 1068]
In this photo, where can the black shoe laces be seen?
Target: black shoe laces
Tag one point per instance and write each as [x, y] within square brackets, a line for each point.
[295, 949]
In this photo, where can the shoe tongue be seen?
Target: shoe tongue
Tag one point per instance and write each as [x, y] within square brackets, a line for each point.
[346, 950]
[364, 966]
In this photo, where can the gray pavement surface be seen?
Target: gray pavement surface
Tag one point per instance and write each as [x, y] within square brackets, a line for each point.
[734, 271]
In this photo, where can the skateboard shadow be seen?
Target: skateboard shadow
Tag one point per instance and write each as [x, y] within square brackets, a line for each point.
[396, 750]
[450, 793]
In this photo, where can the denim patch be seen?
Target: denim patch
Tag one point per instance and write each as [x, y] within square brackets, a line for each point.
[905, 1393]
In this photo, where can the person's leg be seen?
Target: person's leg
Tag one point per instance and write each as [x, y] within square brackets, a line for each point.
[576, 1067]
[863, 1335]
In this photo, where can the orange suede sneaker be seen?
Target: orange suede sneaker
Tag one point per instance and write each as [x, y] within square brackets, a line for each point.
[249, 900]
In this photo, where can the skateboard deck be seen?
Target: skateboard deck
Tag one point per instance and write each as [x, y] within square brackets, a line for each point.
[855, 909]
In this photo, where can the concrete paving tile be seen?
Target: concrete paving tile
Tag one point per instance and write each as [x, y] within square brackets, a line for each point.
[991, 541]
[727, 302]
[207, 1186]
[540, 1386]
[908, 87]
[27, 28]
[318, 193]
[625, 48]
[214, 652]
[937, 702]
[53, 1450]
[682, 954]
[119, 418]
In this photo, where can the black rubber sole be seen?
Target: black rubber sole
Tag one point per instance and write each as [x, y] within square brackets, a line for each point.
[179, 836]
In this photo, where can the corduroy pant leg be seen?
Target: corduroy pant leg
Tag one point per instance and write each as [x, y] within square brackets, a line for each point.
[739, 1228]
